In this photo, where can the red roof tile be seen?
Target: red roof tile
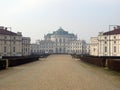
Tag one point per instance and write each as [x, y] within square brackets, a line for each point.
[6, 32]
[115, 31]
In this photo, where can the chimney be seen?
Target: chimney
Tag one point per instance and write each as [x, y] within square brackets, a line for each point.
[100, 33]
[19, 33]
[1, 27]
[118, 27]
[5, 28]
[115, 28]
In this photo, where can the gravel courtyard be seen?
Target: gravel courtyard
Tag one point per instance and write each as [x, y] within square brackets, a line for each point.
[58, 72]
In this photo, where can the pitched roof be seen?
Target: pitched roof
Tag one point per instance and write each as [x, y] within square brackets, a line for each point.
[6, 32]
[115, 31]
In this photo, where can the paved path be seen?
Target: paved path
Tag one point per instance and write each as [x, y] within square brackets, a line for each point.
[58, 72]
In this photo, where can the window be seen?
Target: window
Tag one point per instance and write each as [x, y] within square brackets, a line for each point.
[14, 42]
[114, 37]
[4, 49]
[14, 38]
[114, 48]
[60, 49]
[105, 49]
[5, 37]
[4, 42]
[105, 37]
[105, 42]
[60, 40]
[13, 49]
[114, 42]
[56, 50]
[63, 40]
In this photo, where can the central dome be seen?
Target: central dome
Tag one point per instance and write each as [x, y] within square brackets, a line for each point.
[60, 31]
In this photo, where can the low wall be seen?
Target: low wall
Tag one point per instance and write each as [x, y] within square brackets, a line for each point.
[2, 64]
[22, 60]
[94, 60]
[10, 61]
[14, 61]
[114, 64]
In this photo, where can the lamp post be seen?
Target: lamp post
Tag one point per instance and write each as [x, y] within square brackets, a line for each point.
[113, 26]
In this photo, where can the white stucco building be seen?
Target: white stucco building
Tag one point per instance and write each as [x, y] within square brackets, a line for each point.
[12, 44]
[94, 46]
[87, 48]
[77, 47]
[59, 42]
[35, 48]
[26, 50]
[106, 43]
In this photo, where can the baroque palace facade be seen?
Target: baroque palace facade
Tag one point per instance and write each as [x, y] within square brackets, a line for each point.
[106, 43]
[59, 41]
[13, 44]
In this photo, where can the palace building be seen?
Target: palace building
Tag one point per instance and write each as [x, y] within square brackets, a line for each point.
[13, 44]
[106, 43]
[59, 41]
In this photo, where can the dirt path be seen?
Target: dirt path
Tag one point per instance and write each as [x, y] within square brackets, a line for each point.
[58, 72]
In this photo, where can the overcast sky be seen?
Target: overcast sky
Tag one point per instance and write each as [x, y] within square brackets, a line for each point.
[34, 18]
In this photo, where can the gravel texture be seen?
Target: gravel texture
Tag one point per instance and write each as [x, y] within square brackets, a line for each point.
[58, 72]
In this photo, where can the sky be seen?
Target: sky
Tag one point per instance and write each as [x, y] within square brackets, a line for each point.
[35, 18]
